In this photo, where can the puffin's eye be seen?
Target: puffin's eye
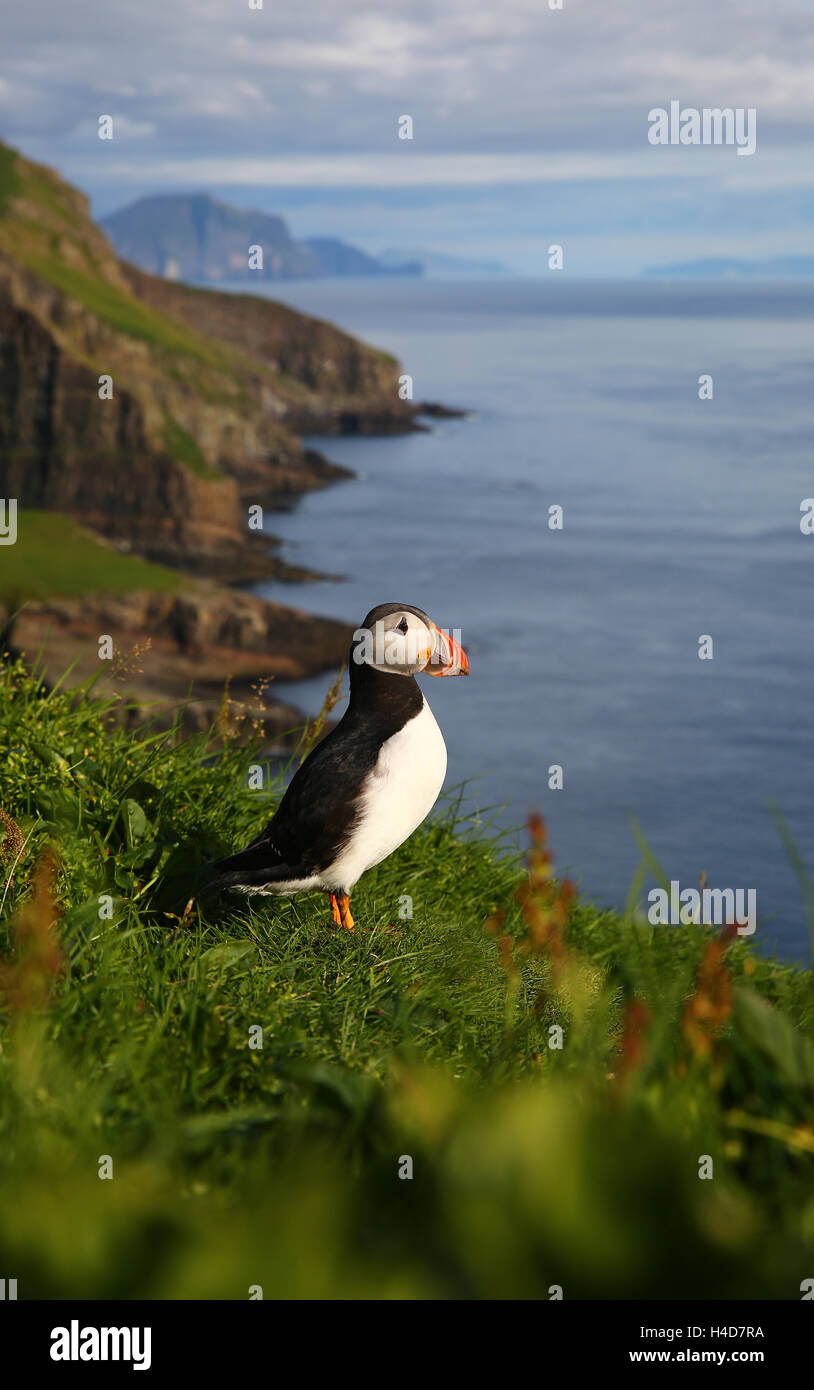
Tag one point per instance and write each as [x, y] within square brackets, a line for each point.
[402, 626]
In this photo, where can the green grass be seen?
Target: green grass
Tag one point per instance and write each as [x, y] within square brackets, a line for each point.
[9, 177]
[122, 311]
[54, 558]
[182, 447]
[423, 1037]
[40, 186]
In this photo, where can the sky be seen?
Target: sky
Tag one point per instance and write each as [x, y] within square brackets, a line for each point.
[530, 125]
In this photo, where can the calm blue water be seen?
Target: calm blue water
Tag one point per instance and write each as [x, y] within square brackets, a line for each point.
[681, 519]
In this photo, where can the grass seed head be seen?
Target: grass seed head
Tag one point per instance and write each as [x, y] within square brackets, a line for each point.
[26, 979]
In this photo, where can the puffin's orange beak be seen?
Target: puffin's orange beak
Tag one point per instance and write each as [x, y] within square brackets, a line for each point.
[448, 659]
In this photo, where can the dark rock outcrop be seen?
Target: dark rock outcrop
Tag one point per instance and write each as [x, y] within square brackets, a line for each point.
[174, 650]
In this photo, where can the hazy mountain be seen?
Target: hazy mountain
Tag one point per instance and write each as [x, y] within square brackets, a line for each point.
[439, 263]
[200, 238]
[724, 267]
[338, 258]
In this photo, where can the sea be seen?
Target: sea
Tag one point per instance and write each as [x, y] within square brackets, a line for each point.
[656, 647]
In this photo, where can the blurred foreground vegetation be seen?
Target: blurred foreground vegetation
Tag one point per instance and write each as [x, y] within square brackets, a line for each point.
[430, 1038]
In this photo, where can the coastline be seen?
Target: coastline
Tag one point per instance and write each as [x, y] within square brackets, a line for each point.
[147, 426]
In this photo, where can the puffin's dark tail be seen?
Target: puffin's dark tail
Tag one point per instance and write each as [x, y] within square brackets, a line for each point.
[175, 891]
[254, 867]
[219, 880]
[199, 884]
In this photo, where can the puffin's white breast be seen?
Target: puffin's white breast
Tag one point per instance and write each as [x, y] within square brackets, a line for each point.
[399, 793]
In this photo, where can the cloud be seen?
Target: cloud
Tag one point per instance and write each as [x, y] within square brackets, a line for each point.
[406, 169]
[214, 75]
[208, 93]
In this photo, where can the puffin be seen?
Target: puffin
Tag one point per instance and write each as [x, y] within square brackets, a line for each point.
[370, 782]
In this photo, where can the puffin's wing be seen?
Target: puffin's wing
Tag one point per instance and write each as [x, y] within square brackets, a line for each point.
[319, 811]
[313, 821]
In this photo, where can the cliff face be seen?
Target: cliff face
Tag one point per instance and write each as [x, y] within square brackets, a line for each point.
[315, 378]
[205, 393]
[63, 449]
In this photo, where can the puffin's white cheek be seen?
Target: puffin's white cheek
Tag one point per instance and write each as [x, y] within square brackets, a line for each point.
[412, 647]
[394, 649]
[385, 647]
[400, 646]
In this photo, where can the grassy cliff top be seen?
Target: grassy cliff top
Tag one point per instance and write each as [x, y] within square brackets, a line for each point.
[489, 1089]
[54, 558]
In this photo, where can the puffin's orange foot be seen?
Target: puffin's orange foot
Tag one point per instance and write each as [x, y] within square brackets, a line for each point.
[343, 903]
[335, 910]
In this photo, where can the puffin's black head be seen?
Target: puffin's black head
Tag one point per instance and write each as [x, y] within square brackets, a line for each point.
[402, 640]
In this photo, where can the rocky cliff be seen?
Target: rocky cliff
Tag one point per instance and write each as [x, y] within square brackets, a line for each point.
[153, 415]
[153, 412]
[206, 650]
